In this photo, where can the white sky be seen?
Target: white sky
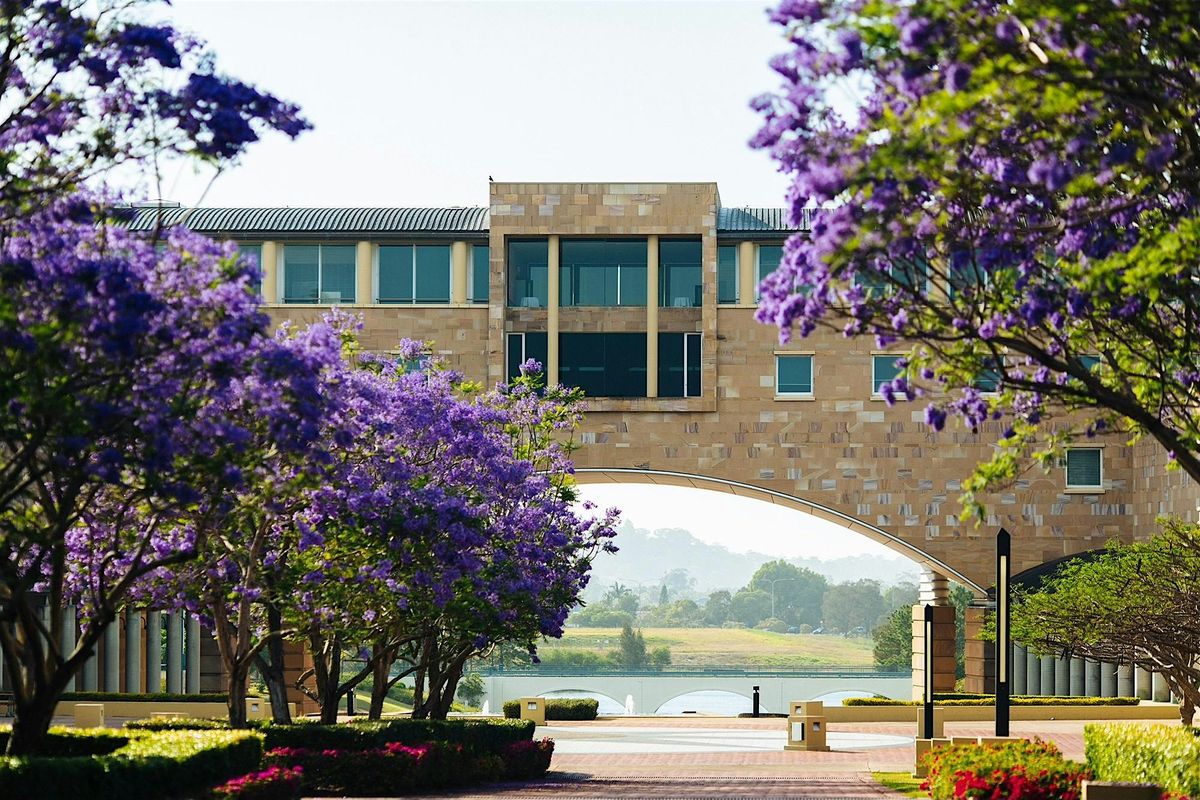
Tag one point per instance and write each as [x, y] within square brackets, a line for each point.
[416, 104]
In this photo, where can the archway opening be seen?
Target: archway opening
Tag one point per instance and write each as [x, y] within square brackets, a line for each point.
[711, 702]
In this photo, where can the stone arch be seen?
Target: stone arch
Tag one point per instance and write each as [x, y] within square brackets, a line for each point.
[618, 701]
[702, 688]
[603, 475]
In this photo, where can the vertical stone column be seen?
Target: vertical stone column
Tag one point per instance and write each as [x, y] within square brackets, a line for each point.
[460, 270]
[1091, 678]
[935, 591]
[67, 641]
[269, 264]
[1142, 680]
[90, 675]
[979, 656]
[1046, 665]
[1160, 692]
[652, 316]
[296, 661]
[1033, 673]
[1078, 668]
[192, 626]
[154, 651]
[1108, 679]
[133, 651]
[364, 274]
[747, 282]
[552, 296]
[112, 656]
[175, 652]
[1125, 681]
[1020, 683]
[1062, 677]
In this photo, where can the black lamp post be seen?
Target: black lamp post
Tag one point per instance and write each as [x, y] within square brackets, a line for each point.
[1003, 646]
[928, 691]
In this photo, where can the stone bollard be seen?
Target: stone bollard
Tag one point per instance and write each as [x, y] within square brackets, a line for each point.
[939, 724]
[89, 715]
[806, 726]
[923, 748]
[533, 708]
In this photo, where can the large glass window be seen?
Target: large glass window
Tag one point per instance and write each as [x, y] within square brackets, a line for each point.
[1085, 468]
[883, 370]
[727, 274]
[603, 364]
[680, 281]
[602, 272]
[794, 375]
[318, 273]
[679, 365]
[769, 256]
[414, 273]
[481, 270]
[521, 348]
[528, 273]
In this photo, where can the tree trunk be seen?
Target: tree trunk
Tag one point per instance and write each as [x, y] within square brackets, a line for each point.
[235, 684]
[380, 675]
[327, 673]
[31, 723]
[272, 667]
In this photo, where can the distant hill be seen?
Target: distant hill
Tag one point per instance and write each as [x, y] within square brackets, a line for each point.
[645, 556]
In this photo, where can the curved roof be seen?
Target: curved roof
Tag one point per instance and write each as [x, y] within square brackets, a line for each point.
[760, 221]
[310, 221]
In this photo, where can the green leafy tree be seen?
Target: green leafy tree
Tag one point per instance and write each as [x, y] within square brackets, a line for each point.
[632, 648]
[851, 605]
[750, 607]
[717, 608]
[893, 640]
[622, 598]
[1135, 604]
[470, 689]
[902, 594]
[798, 592]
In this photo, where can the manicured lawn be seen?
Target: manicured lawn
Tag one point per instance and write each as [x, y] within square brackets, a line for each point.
[725, 647]
[902, 782]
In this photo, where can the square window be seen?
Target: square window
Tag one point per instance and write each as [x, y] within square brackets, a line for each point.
[1085, 468]
[883, 370]
[794, 376]
[988, 381]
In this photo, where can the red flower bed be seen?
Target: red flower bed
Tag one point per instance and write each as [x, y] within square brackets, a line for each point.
[273, 783]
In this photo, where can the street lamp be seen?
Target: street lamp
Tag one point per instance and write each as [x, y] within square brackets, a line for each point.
[777, 580]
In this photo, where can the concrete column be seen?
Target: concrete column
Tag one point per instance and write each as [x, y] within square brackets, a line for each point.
[979, 657]
[652, 316]
[90, 675]
[1062, 677]
[1033, 673]
[1142, 680]
[175, 652]
[67, 643]
[1046, 665]
[193, 654]
[552, 290]
[1020, 673]
[154, 651]
[1091, 678]
[1125, 681]
[460, 268]
[1160, 692]
[1078, 668]
[1108, 679]
[270, 272]
[364, 274]
[112, 656]
[746, 277]
[133, 651]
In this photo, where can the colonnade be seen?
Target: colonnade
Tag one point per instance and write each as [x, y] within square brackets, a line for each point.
[1080, 677]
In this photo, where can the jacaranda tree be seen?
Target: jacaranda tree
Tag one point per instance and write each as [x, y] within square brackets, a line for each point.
[112, 354]
[1007, 193]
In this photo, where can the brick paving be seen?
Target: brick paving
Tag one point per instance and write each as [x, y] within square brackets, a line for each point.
[565, 786]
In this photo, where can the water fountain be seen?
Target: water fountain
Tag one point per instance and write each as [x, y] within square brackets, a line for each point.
[629, 704]
[486, 709]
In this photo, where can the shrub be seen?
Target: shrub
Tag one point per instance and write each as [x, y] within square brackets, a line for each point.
[392, 769]
[1031, 770]
[66, 742]
[527, 760]
[273, 783]
[177, 724]
[1168, 757]
[583, 708]
[148, 766]
[477, 736]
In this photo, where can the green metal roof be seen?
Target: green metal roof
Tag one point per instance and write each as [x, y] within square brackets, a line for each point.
[760, 221]
[310, 222]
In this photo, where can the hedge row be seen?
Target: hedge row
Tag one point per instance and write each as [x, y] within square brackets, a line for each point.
[140, 697]
[575, 709]
[1030, 770]
[1168, 757]
[147, 766]
[1020, 700]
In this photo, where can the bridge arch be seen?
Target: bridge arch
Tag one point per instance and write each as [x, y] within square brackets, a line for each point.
[549, 694]
[704, 688]
[627, 475]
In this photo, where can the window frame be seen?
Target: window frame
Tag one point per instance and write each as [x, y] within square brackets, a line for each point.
[574, 284]
[759, 277]
[262, 272]
[376, 267]
[685, 364]
[1081, 488]
[666, 299]
[875, 382]
[812, 376]
[487, 290]
[510, 283]
[282, 269]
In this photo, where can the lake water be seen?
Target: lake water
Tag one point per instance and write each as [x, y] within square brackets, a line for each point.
[715, 703]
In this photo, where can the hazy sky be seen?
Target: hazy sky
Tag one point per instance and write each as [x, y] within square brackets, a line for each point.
[416, 104]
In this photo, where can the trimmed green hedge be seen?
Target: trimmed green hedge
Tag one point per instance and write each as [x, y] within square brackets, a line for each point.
[141, 697]
[70, 742]
[583, 708]
[1032, 770]
[148, 766]
[1168, 757]
[177, 724]
[1020, 700]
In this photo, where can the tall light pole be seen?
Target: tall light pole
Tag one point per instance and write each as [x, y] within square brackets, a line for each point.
[1003, 646]
[777, 580]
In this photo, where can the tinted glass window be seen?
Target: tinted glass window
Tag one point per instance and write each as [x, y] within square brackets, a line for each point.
[883, 369]
[527, 273]
[337, 273]
[678, 361]
[301, 273]
[794, 374]
[1084, 467]
[481, 270]
[679, 274]
[727, 274]
[602, 272]
[395, 274]
[603, 364]
[433, 273]
[522, 347]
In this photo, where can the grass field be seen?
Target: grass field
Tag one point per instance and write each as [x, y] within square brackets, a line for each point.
[729, 647]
